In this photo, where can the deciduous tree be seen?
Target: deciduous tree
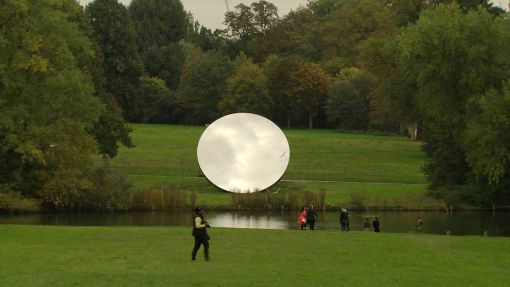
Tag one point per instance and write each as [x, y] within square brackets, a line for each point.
[348, 101]
[203, 84]
[47, 101]
[246, 89]
[115, 34]
[310, 87]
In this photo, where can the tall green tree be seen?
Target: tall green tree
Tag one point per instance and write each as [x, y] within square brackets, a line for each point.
[240, 22]
[310, 87]
[203, 84]
[160, 25]
[248, 27]
[265, 16]
[159, 102]
[460, 64]
[246, 89]
[279, 73]
[115, 34]
[487, 141]
[205, 38]
[296, 35]
[158, 22]
[164, 62]
[47, 102]
[348, 101]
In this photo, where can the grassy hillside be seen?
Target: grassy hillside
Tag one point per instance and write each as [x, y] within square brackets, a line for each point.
[79, 256]
[383, 170]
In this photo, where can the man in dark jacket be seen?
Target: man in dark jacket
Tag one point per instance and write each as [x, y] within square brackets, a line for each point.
[376, 224]
[344, 219]
[311, 217]
[200, 233]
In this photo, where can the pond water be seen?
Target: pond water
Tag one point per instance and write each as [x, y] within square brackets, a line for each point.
[461, 223]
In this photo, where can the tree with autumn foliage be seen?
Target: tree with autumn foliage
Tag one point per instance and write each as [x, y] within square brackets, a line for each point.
[311, 84]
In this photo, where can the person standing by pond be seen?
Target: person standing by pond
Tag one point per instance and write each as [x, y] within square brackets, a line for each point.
[419, 224]
[200, 233]
[302, 218]
[375, 224]
[366, 226]
[311, 217]
[344, 219]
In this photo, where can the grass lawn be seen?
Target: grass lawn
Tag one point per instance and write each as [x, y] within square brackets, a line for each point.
[386, 170]
[320, 155]
[139, 256]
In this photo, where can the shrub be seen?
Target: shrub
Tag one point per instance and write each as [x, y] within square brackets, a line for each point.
[110, 191]
[357, 201]
[11, 201]
[159, 198]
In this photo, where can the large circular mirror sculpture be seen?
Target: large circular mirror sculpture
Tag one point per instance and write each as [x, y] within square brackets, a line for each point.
[243, 153]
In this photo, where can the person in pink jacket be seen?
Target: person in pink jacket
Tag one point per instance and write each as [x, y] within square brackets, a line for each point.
[302, 218]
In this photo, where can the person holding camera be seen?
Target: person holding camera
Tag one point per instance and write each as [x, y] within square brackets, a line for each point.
[200, 233]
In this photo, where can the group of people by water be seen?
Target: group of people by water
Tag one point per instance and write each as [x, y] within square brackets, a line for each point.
[345, 223]
[308, 216]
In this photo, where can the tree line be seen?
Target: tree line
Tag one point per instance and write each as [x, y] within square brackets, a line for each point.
[72, 76]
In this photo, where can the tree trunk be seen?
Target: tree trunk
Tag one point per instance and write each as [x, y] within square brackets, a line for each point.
[310, 121]
[412, 130]
[106, 161]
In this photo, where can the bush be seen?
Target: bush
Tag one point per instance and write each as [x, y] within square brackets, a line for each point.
[357, 201]
[11, 201]
[110, 191]
[159, 198]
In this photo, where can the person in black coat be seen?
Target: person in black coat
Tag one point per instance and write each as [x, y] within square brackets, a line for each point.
[311, 217]
[375, 224]
[344, 219]
[200, 233]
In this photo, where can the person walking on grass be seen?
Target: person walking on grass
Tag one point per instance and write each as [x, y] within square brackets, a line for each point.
[200, 233]
[375, 224]
[366, 226]
[302, 218]
[419, 224]
[311, 217]
[344, 219]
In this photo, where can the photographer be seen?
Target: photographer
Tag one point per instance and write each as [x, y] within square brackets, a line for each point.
[200, 233]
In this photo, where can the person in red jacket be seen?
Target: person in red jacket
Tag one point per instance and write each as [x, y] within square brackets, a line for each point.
[302, 218]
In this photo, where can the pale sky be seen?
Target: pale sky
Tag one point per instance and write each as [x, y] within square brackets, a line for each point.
[211, 13]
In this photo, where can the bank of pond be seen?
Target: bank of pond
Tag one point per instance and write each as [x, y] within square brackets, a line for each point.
[458, 223]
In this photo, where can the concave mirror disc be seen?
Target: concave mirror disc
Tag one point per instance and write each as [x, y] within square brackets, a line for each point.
[243, 153]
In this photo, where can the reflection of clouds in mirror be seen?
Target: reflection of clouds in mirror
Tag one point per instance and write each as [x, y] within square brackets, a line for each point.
[243, 153]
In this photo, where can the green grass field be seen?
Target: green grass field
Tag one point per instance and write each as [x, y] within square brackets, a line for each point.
[384, 169]
[160, 256]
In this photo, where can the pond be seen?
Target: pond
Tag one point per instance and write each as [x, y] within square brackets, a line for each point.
[460, 223]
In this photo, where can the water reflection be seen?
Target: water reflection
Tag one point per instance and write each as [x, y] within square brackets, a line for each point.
[237, 220]
[461, 223]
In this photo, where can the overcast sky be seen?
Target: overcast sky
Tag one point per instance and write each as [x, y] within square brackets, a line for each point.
[210, 13]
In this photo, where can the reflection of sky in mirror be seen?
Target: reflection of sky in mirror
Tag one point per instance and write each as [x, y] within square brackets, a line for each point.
[243, 153]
